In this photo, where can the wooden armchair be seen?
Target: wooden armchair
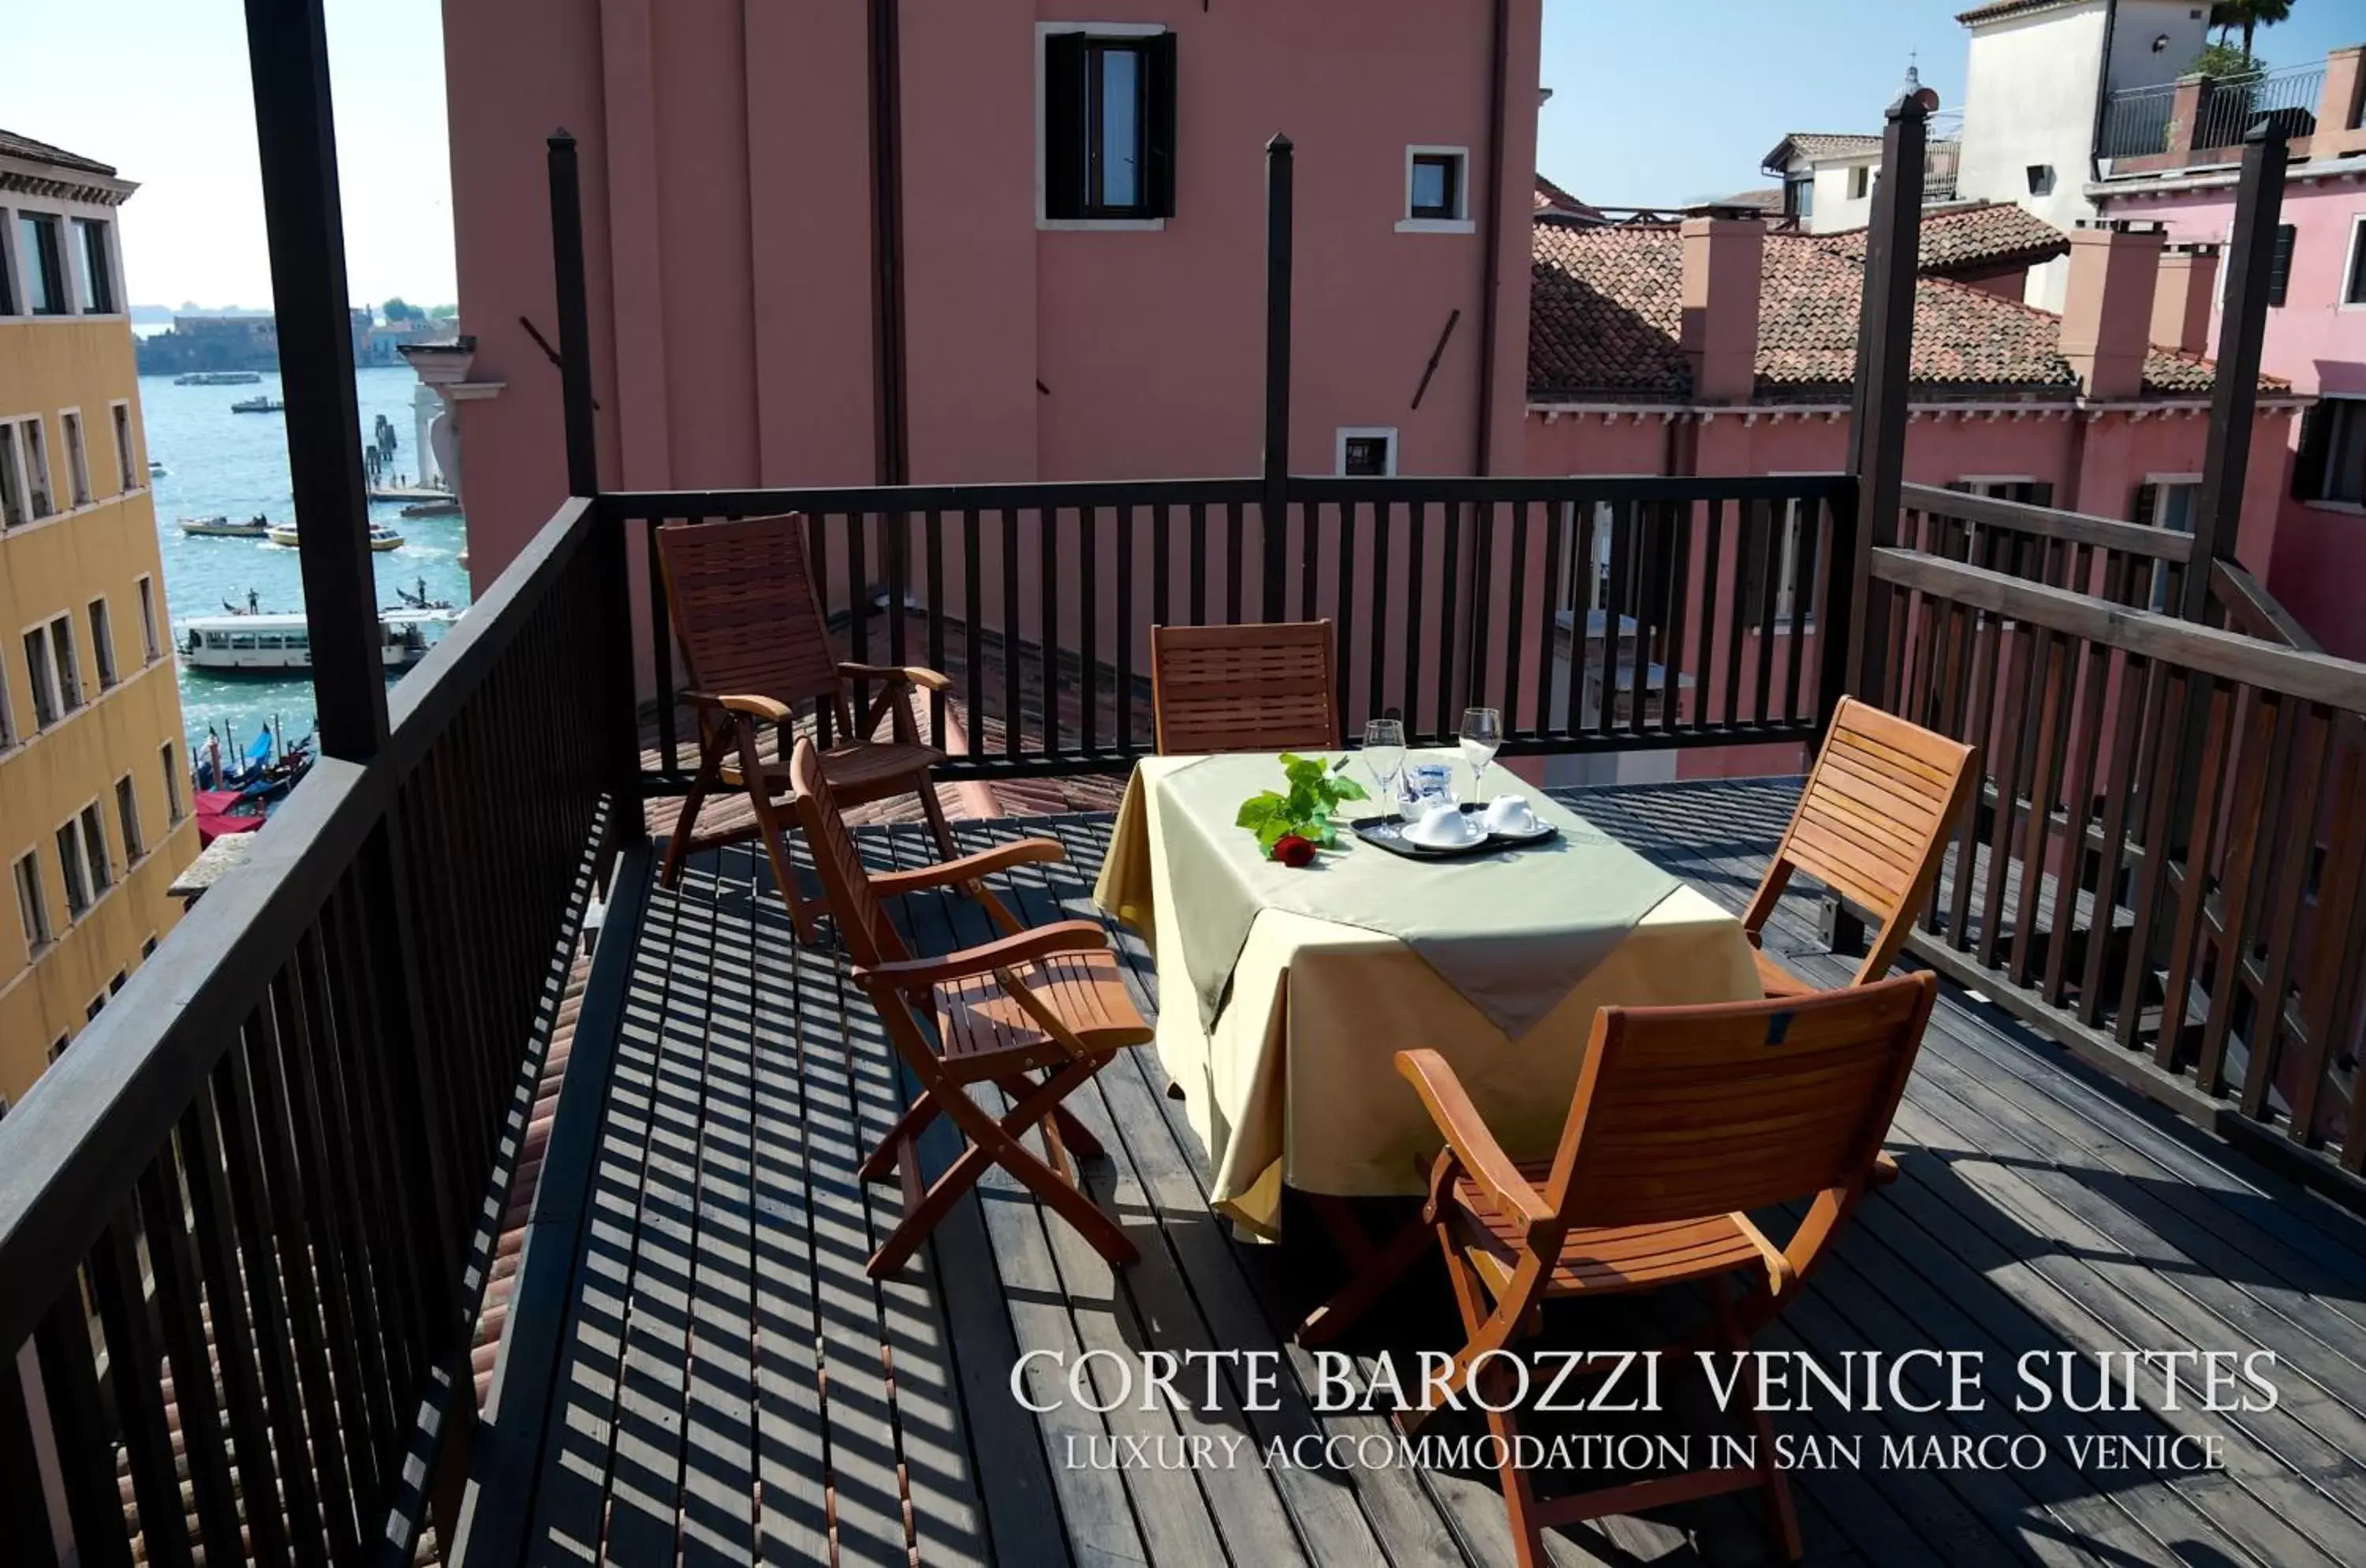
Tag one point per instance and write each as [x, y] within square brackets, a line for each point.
[1036, 1012]
[1267, 687]
[1871, 826]
[1684, 1120]
[751, 624]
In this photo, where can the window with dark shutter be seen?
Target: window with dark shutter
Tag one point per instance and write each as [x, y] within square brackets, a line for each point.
[1109, 127]
[2280, 265]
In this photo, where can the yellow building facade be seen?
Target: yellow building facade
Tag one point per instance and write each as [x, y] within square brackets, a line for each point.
[96, 814]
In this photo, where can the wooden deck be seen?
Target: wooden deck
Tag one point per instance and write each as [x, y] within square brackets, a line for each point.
[697, 1368]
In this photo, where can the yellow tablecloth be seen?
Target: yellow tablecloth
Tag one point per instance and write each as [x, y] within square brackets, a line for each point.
[1296, 1081]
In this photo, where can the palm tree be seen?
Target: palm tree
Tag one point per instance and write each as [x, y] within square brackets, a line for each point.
[2249, 15]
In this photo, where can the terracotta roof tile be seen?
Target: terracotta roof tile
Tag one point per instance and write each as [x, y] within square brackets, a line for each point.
[15, 146]
[1816, 145]
[1980, 234]
[1550, 198]
[1604, 312]
[1997, 9]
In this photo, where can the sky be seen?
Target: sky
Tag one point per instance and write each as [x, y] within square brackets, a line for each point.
[169, 104]
[1653, 103]
[1677, 100]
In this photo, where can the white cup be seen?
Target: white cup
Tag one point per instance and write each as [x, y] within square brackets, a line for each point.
[1510, 814]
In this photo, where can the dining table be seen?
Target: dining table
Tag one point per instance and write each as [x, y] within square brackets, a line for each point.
[1286, 992]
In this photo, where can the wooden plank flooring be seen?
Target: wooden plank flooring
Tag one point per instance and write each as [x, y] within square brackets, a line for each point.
[732, 1388]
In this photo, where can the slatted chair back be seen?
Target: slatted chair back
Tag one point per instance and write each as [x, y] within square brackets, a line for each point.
[1266, 687]
[1682, 1113]
[746, 614]
[868, 936]
[1873, 822]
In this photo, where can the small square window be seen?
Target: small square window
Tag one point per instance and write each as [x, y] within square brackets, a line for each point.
[1368, 454]
[2041, 179]
[1860, 182]
[1433, 186]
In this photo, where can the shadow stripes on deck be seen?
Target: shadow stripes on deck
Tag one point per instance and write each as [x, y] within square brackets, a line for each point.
[730, 1387]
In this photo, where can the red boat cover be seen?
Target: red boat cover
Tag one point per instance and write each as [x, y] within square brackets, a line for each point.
[214, 817]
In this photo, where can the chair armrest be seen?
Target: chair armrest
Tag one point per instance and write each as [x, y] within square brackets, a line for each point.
[1026, 947]
[753, 707]
[969, 868]
[909, 674]
[1466, 1134]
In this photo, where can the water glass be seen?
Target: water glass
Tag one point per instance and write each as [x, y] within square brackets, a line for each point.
[1483, 734]
[1384, 751]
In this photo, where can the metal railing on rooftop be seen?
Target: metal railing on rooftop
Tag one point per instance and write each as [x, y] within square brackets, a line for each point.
[2141, 122]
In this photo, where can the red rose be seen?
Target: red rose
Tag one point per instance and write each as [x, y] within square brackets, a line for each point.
[1291, 850]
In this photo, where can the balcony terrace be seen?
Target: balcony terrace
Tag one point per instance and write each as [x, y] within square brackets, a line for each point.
[393, 1090]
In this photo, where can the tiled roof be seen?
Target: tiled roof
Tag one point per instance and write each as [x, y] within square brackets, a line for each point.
[1980, 233]
[1768, 199]
[1605, 309]
[15, 146]
[1550, 198]
[1996, 9]
[1817, 146]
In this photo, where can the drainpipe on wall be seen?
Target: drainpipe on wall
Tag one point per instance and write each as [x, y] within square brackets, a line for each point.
[891, 423]
[1491, 278]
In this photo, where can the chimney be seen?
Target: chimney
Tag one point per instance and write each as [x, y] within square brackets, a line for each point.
[2107, 309]
[1721, 271]
[2182, 297]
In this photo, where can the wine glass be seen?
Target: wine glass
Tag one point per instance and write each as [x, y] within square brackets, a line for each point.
[1384, 751]
[1483, 735]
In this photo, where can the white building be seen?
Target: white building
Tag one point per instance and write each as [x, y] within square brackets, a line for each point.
[2038, 76]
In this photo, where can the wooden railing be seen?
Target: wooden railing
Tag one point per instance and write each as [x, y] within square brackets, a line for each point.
[2125, 563]
[243, 1218]
[1038, 601]
[2165, 869]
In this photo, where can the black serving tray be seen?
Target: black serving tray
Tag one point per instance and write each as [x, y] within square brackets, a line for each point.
[1388, 834]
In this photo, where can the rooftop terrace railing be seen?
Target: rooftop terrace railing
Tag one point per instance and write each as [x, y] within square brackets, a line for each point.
[243, 1220]
[2165, 867]
[1596, 614]
[2141, 122]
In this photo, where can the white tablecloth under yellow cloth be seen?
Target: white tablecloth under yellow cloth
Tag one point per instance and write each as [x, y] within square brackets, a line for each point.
[1296, 1083]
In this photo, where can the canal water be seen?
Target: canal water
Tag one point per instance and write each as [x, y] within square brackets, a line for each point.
[236, 465]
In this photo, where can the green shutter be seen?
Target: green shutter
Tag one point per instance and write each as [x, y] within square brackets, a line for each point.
[2316, 445]
[1158, 126]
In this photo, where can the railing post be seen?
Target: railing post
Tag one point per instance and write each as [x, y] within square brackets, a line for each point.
[610, 542]
[1274, 510]
[2235, 394]
[1884, 347]
[296, 140]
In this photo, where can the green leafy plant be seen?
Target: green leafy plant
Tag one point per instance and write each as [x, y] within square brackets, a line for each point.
[1304, 810]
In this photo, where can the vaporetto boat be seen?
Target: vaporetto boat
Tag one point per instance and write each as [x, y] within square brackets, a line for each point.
[279, 644]
[381, 538]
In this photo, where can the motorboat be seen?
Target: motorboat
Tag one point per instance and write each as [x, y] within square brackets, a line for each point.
[219, 527]
[262, 404]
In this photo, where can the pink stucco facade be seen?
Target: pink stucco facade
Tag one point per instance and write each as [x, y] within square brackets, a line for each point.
[2317, 556]
[728, 203]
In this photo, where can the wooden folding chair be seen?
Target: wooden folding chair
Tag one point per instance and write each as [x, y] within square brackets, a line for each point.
[1266, 687]
[1871, 826]
[1684, 1120]
[750, 624]
[1036, 1012]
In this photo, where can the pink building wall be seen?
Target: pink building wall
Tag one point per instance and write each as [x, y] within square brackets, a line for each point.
[2315, 559]
[728, 198]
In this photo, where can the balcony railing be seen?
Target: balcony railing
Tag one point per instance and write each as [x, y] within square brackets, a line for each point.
[2165, 867]
[2139, 122]
[1596, 614]
[243, 1220]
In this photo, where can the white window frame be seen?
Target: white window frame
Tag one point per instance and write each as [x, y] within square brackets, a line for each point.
[119, 425]
[175, 811]
[2350, 265]
[66, 665]
[1363, 433]
[1460, 223]
[1043, 222]
[41, 496]
[86, 300]
[100, 866]
[32, 902]
[41, 678]
[151, 642]
[101, 617]
[75, 866]
[127, 820]
[78, 445]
